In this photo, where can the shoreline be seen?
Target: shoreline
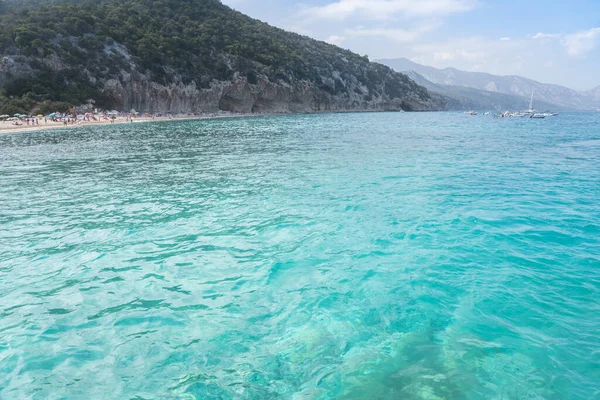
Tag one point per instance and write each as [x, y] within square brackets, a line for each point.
[5, 127]
[9, 128]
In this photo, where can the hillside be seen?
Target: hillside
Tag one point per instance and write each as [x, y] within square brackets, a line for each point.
[557, 97]
[465, 98]
[595, 94]
[183, 56]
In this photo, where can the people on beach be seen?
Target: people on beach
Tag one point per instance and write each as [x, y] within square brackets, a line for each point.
[109, 117]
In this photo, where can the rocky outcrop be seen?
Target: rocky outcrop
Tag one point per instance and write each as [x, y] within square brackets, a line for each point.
[137, 91]
[12, 67]
[208, 57]
[134, 90]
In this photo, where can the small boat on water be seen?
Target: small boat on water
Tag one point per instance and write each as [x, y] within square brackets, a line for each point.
[487, 113]
[531, 113]
[531, 110]
[471, 112]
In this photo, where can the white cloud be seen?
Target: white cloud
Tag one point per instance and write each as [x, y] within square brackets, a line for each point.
[541, 35]
[459, 52]
[442, 56]
[385, 9]
[521, 56]
[390, 29]
[335, 40]
[580, 43]
[397, 35]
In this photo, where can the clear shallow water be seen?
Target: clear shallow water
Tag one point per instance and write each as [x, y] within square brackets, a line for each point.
[389, 256]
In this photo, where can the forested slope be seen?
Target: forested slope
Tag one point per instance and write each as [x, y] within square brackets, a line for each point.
[182, 56]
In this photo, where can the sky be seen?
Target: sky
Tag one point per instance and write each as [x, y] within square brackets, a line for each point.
[551, 41]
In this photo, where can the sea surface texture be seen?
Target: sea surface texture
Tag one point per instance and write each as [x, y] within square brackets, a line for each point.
[350, 256]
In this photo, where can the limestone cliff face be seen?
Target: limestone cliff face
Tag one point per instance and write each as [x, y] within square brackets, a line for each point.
[336, 92]
[185, 56]
[136, 91]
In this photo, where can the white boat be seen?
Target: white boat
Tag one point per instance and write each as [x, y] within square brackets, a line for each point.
[538, 116]
[518, 114]
[471, 112]
[531, 110]
[487, 113]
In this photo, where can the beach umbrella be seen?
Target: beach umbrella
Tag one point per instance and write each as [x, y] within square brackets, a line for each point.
[40, 115]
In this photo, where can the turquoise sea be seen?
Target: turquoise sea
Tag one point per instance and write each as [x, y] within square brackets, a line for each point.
[348, 256]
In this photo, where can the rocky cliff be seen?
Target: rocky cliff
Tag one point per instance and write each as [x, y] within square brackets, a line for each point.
[137, 91]
[184, 56]
[133, 90]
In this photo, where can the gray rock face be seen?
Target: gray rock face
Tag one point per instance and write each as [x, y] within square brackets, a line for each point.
[335, 91]
[137, 91]
[13, 67]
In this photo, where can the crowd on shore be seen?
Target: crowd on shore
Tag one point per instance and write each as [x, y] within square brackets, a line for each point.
[57, 120]
[74, 119]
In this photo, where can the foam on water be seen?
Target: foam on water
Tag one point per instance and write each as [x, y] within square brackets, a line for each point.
[412, 256]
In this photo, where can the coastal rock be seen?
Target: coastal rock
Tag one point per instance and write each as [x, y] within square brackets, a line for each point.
[207, 58]
[137, 91]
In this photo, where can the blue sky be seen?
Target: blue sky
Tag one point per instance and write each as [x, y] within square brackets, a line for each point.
[550, 41]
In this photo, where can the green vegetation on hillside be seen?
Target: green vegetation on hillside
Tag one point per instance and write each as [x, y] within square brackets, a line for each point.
[76, 44]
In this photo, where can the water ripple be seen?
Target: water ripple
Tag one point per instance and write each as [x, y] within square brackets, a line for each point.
[416, 256]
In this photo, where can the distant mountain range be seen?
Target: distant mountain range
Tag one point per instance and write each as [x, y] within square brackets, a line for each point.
[466, 98]
[594, 93]
[479, 90]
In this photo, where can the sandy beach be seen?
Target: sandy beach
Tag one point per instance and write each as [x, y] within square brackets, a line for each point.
[8, 127]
